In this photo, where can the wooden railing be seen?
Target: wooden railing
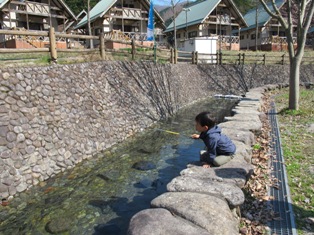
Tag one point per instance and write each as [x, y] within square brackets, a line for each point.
[276, 40]
[134, 50]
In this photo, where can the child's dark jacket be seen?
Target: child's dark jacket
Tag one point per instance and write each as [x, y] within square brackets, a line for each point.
[217, 143]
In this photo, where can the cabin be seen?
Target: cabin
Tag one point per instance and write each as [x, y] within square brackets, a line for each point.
[310, 38]
[122, 20]
[38, 15]
[264, 32]
[209, 18]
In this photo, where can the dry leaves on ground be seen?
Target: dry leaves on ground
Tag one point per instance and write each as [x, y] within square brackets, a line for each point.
[256, 212]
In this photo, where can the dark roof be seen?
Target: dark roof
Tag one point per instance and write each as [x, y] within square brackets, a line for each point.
[101, 8]
[198, 13]
[60, 2]
[262, 16]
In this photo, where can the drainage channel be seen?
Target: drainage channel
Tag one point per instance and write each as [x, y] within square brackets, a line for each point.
[281, 204]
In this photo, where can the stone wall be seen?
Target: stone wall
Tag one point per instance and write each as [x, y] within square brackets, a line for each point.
[52, 118]
[207, 200]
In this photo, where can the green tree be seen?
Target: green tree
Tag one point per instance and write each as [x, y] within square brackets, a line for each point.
[78, 5]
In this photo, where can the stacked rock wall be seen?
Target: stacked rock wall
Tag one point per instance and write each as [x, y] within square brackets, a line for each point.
[52, 118]
[205, 200]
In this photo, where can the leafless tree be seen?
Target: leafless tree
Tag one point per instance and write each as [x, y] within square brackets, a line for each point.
[303, 10]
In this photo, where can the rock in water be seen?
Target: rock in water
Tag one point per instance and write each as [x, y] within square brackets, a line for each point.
[144, 165]
[59, 225]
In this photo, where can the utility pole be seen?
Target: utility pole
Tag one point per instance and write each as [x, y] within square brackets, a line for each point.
[230, 30]
[174, 24]
[89, 25]
[256, 25]
[220, 37]
[186, 21]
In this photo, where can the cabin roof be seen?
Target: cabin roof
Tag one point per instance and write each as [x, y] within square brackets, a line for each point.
[262, 16]
[198, 14]
[101, 8]
[57, 2]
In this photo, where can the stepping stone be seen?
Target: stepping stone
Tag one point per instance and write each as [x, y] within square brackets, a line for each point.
[206, 211]
[232, 193]
[246, 137]
[246, 126]
[235, 172]
[161, 221]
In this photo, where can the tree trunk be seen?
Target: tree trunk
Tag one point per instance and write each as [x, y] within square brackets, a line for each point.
[294, 83]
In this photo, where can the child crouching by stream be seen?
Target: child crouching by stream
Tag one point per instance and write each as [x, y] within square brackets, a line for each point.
[220, 148]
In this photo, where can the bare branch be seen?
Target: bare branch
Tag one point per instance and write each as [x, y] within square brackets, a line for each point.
[275, 15]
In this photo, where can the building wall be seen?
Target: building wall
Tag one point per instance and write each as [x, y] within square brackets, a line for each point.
[52, 118]
[23, 44]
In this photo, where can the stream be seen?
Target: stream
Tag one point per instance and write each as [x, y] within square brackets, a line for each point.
[100, 195]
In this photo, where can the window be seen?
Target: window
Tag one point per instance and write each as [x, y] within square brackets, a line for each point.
[241, 37]
[98, 31]
[192, 34]
[178, 35]
[211, 31]
[253, 36]
[282, 34]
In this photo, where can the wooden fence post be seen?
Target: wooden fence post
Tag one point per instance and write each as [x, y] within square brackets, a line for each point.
[220, 58]
[175, 55]
[283, 59]
[243, 58]
[264, 59]
[239, 58]
[102, 46]
[53, 48]
[133, 49]
[193, 57]
[171, 56]
[196, 57]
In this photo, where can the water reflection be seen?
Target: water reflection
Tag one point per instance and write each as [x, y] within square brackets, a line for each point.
[100, 196]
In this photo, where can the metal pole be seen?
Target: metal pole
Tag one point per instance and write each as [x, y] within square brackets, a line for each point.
[220, 33]
[256, 27]
[174, 25]
[230, 29]
[186, 21]
[89, 25]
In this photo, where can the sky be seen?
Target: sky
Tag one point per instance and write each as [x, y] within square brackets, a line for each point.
[168, 2]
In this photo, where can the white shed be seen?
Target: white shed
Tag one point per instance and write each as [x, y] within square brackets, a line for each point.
[205, 46]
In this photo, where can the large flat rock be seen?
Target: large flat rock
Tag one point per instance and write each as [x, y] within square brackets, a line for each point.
[239, 164]
[250, 103]
[206, 211]
[246, 137]
[243, 117]
[245, 110]
[161, 221]
[255, 93]
[232, 193]
[246, 125]
[243, 150]
[233, 174]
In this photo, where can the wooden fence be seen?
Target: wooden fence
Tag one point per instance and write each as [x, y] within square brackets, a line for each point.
[134, 50]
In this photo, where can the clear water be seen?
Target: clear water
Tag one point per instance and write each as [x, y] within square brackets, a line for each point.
[99, 196]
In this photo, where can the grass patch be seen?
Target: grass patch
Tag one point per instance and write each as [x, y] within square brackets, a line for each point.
[229, 57]
[297, 142]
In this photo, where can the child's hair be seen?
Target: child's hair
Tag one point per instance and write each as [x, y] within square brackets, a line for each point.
[205, 119]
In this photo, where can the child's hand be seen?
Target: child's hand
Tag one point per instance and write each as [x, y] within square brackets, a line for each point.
[195, 136]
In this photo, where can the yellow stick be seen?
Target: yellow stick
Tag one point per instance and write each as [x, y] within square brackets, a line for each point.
[170, 132]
